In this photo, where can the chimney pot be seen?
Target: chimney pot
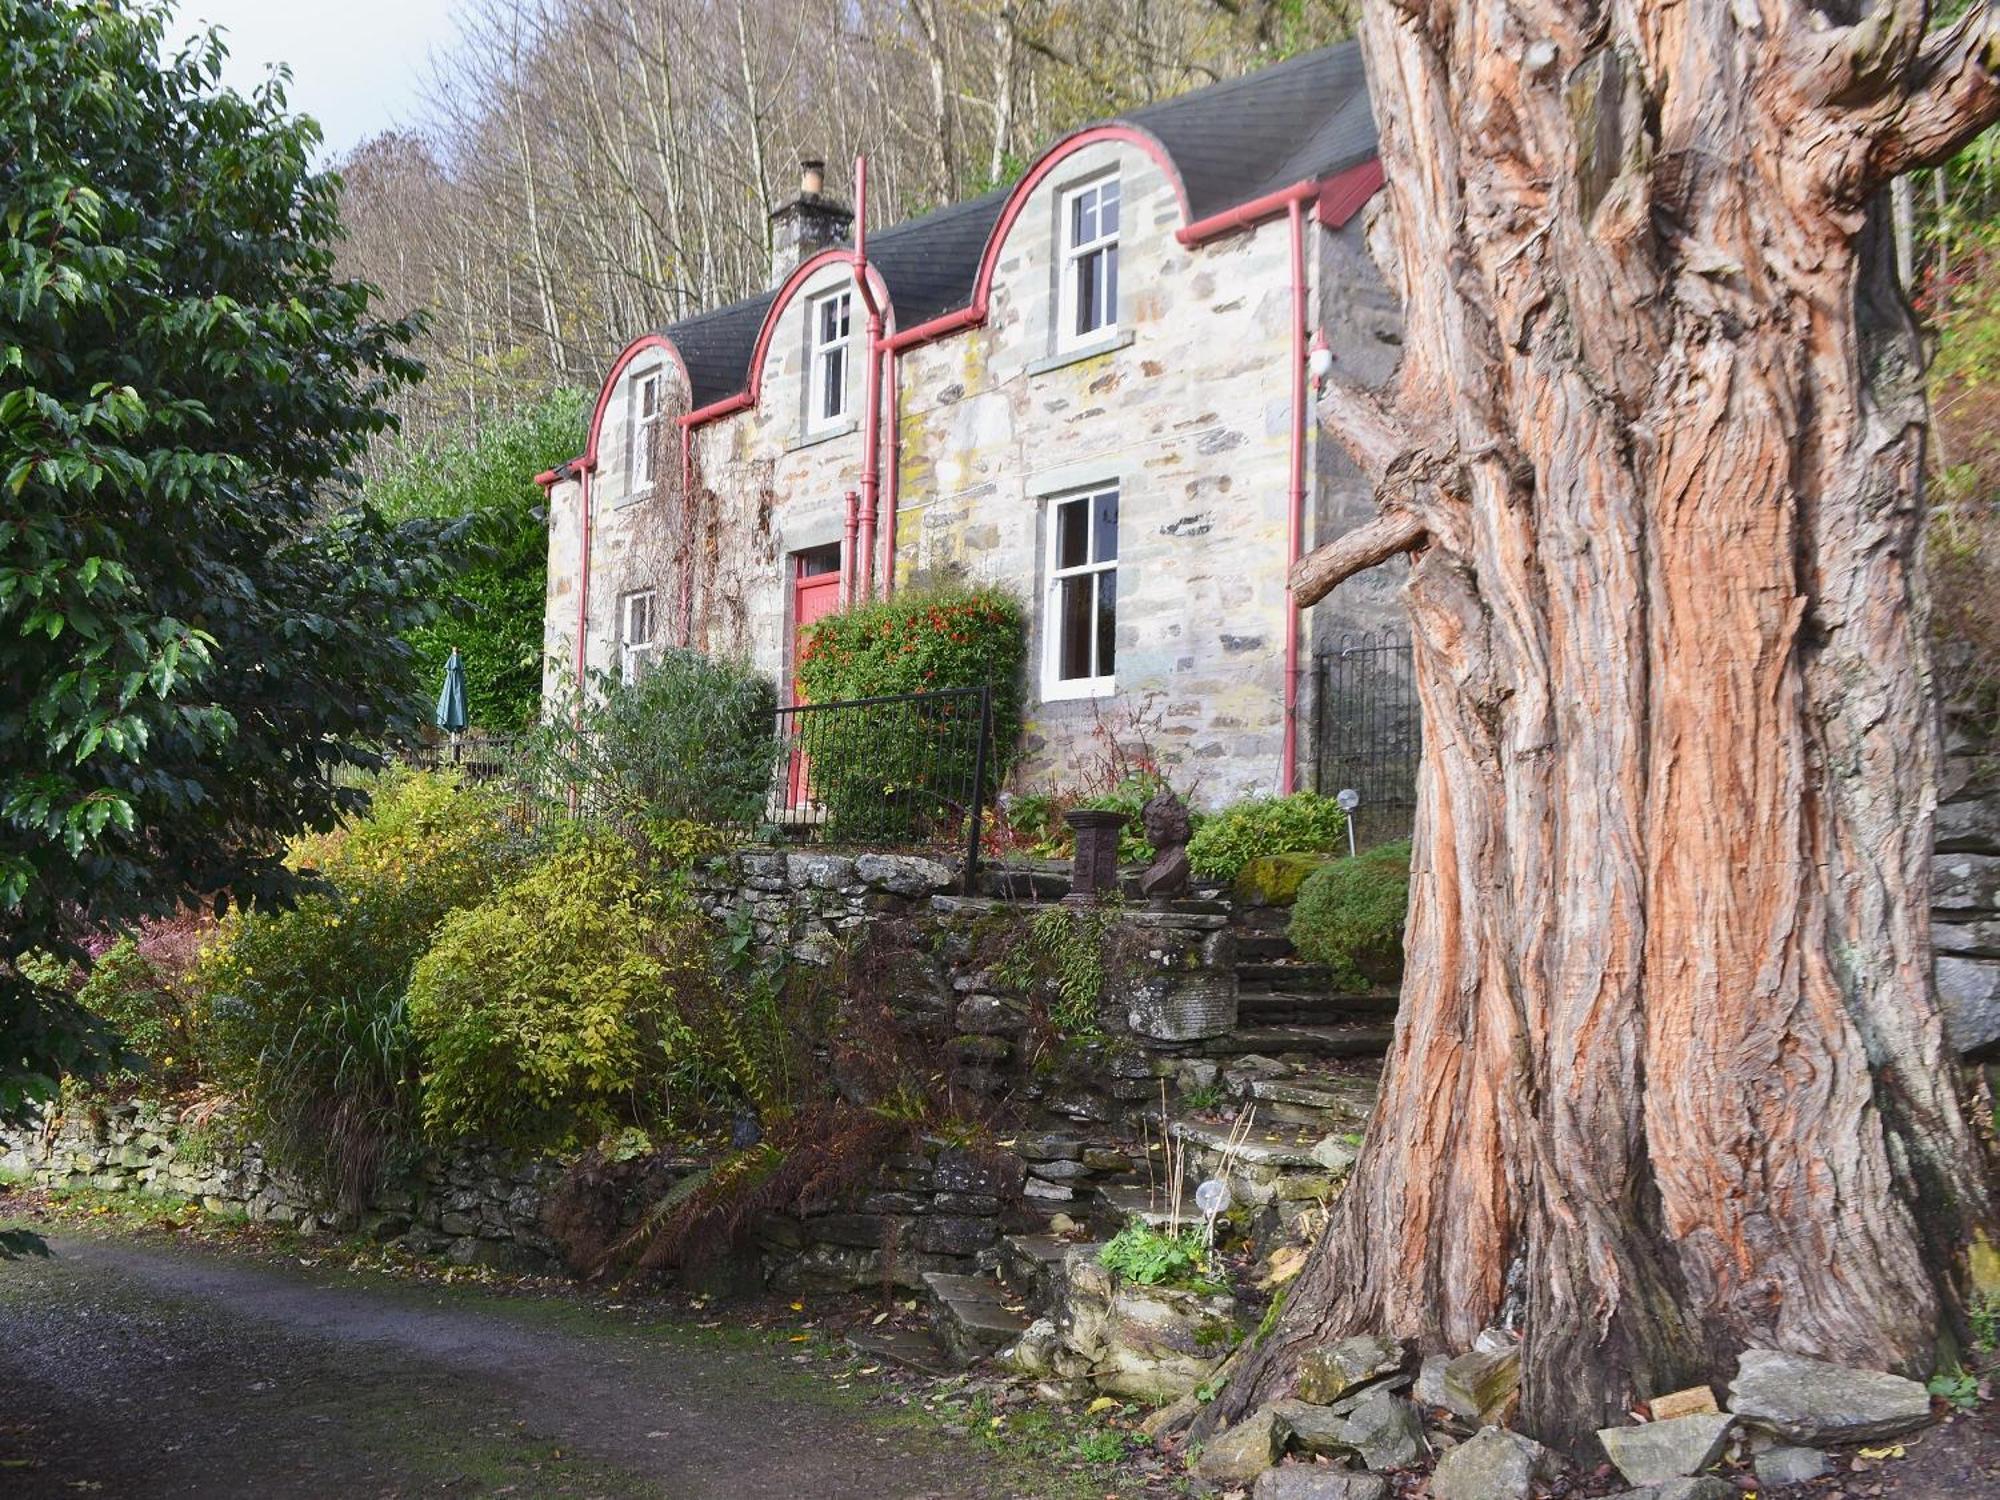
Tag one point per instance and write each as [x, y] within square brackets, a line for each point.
[812, 176]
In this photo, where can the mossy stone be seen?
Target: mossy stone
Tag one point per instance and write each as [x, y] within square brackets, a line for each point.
[1274, 879]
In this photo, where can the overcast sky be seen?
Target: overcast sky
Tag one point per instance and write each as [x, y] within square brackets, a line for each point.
[356, 64]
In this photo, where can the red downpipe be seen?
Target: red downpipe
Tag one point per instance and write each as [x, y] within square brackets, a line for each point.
[871, 401]
[892, 418]
[1295, 216]
[586, 469]
[847, 548]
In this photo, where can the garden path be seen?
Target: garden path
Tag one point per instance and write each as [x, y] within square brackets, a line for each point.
[135, 1369]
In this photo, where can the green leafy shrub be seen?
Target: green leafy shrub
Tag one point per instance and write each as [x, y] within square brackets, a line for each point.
[550, 1015]
[1350, 914]
[899, 770]
[688, 745]
[497, 596]
[1036, 818]
[1153, 1257]
[150, 1005]
[304, 1008]
[1303, 823]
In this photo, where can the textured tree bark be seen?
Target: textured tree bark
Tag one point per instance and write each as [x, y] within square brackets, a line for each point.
[1668, 1079]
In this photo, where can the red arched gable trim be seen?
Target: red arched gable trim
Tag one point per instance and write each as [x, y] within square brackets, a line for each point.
[619, 366]
[982, 287]
[808, 268]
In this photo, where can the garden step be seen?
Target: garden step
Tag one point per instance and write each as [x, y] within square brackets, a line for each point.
[1272, 1145]
[1294, 976]
[1277, 1008]
[1125, 1202]
[1262, 947]
[1032, 1266]
[1351, 1039]
[972, 1316]
[901, 1346]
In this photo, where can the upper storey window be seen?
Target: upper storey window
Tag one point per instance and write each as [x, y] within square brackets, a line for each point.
[647, 390]
[1088, 305]
[828, 327]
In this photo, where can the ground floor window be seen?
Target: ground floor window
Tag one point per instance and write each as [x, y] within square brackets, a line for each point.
[635, 632]
[1080, 610]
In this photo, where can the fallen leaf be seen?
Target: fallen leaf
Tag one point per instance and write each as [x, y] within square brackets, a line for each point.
[1895, 1450]
[1102, 1403]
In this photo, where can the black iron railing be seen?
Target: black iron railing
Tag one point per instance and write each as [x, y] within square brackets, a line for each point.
[899, 771]
[903, 771]
[1366, 728]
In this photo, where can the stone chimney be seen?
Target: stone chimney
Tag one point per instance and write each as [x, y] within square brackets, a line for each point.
[808, 224]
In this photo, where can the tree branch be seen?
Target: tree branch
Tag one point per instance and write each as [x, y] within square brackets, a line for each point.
[1951, 93]
[1316, 574]
[1360, 422]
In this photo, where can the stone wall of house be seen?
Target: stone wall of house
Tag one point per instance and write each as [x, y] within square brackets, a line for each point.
[1187, 411]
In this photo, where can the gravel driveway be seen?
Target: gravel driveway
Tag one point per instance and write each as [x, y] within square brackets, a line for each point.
[129, 1368]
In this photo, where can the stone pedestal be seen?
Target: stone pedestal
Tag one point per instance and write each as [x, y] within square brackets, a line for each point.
[1094, 874]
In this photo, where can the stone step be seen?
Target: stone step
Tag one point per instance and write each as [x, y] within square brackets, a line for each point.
[1347, 1039]
[1262, 948]
[1123, 1202]
[1267, 1145]
[1291, 975]
[1032, 1267]
[972, 1316]
[905, 1347]
[1274, 1008]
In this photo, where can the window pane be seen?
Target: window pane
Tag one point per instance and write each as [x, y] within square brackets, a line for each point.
[649, 397]
[833, 397]
[1073, 621]
[1107, 611]
[1072, 533]
[1109, 258]
[1086, 292]
[1083, 218]
[1104, 531]
[1107, 211]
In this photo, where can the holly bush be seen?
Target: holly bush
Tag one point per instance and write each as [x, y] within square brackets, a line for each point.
[899, 770]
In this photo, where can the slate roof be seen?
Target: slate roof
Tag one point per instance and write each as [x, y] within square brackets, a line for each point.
[1301, 120]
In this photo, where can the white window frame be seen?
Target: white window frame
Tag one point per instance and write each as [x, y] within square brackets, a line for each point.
[641, 606]
[640, 428]
[1054, 684]
[821, 353]
[1076, 252]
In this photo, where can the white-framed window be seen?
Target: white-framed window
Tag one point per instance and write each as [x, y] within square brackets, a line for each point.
[635, 633]
[828, 325]
[648, 389]
[1087, 304]
[1080, 612]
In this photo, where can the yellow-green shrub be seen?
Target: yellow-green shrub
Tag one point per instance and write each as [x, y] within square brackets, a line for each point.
[302, 1010]
[550, 1014]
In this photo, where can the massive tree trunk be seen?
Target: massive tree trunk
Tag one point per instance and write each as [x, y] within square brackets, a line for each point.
[1669, 1079]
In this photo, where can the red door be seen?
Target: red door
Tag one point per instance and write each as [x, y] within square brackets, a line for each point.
[815, 592]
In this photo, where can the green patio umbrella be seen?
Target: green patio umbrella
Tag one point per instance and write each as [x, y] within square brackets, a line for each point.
[451, 701]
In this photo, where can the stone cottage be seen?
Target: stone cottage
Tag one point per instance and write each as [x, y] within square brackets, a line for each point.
[1091, 387]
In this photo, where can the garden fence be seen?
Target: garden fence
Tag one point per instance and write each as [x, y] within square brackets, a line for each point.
[1366, 730]
[909, 771]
